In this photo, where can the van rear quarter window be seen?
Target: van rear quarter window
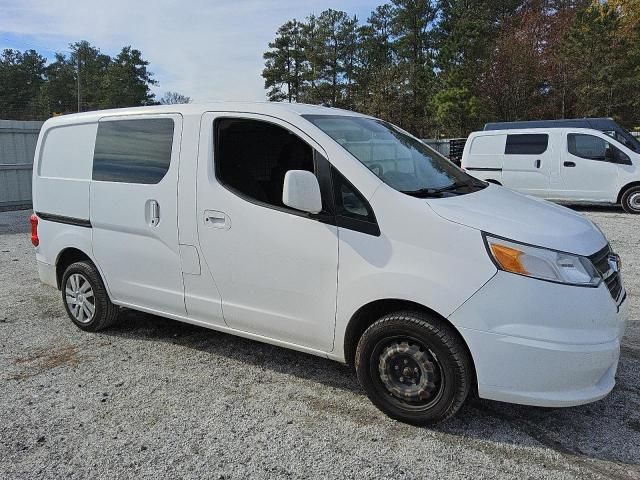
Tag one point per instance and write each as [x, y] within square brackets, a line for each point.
[133, 151]
[526, 144]
[66, 152]
[488, 145]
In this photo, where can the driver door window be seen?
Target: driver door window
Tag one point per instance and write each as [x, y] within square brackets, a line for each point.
[589, 171]
[591, 147]
[252, 158]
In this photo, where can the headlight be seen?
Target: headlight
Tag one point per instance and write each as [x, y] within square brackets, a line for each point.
[542, 263]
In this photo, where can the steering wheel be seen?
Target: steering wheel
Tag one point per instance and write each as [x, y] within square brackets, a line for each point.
[378, 167]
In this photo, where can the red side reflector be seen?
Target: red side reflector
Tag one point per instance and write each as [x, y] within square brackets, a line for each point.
[34, 230]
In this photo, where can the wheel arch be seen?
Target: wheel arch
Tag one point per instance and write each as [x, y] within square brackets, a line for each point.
[625, 188]
[366, 315]
[68, 256]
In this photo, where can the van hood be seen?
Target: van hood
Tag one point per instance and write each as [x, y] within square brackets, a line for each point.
[525, 219]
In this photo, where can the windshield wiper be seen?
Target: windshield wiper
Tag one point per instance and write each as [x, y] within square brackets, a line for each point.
[457, 185]
[423, 192]
[435, 192]
[438, 192]
[453, 186]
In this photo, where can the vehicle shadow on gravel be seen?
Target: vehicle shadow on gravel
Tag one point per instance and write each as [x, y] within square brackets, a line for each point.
[615, 209]
[608, 430]
[143, 326]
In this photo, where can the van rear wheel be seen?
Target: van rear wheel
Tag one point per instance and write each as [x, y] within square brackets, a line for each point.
[85, 298]
[414, 368]
[631, 200]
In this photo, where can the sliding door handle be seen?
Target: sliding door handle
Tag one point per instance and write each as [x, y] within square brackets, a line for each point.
[154, 212]
[569, 164]
[216, 219]
[538, 163]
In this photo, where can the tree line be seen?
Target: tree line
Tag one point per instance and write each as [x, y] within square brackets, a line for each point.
[445, 67]
[84, 79]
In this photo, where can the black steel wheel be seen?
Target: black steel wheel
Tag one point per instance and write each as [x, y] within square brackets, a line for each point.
[631, 200]
[414, 367]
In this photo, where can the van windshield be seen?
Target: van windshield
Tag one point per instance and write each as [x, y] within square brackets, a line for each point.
[398, 159]
[624, 137]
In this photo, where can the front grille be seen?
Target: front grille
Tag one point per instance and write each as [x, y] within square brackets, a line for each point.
[610, 276]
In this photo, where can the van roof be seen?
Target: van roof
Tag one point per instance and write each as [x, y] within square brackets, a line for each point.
[199, 108]
[595, 123]
[531, 131]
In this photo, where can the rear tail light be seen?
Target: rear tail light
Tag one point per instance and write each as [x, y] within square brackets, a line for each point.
[34, 230]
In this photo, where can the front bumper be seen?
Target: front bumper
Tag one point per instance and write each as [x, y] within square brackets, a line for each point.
[539, 343]
[545, 374]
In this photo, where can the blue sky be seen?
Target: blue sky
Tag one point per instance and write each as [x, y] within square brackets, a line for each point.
[207, 49]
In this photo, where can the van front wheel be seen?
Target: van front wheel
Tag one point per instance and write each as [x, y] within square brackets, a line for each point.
[631, 200]
[85, 298]
[414, 368]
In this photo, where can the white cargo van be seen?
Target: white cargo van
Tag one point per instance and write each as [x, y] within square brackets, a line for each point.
[331, 233]
[571, 165]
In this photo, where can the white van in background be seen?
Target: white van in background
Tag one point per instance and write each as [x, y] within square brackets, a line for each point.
[335, 234]
[572, 165]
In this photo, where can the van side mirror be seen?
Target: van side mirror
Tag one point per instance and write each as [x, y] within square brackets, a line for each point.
[301, 191]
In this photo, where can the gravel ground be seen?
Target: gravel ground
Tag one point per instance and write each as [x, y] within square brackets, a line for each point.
[153, 398]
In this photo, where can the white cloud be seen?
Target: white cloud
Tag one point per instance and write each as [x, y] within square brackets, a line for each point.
[209, 50]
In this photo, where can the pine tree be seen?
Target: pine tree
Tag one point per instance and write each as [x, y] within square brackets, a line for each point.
[466, 33]
[127, 81]
[90, 68]
[412, 23]
[335, 48]
[603, 84]
[61, 86]
[285, 64]
[22, 80]
[376, 86]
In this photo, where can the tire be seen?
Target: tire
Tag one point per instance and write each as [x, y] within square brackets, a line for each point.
[414, 368]
[631, 200]
[81, 283]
